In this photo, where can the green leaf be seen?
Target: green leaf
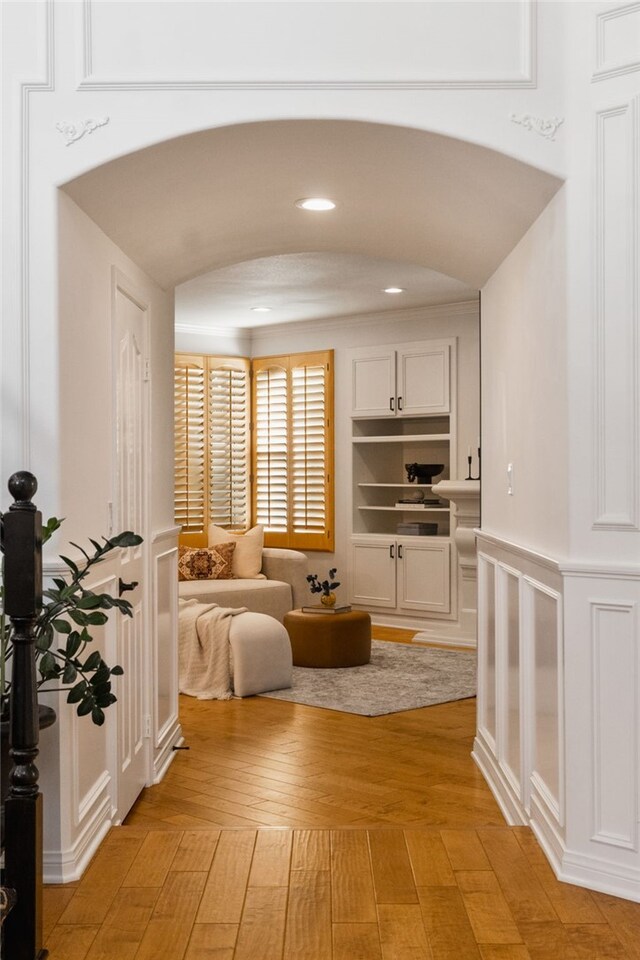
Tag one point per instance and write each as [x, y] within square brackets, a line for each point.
[97, 619]
[117, 671]
[61, 626]
[70, 673]
[70, 564]
[45, 639]
[82, 551]
[97, 716]
[85, 707]
[89, 601]
[125, 539]
[49, 528]
[47, 665]
[73, 644]
[77, 693]
[93, 661]
[82, 619]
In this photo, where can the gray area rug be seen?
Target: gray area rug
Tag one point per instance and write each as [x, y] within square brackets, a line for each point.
[399, 677]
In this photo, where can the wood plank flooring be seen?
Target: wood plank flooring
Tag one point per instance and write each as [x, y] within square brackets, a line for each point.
[292, 833]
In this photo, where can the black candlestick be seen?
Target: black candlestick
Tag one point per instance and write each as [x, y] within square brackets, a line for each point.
[469, 477]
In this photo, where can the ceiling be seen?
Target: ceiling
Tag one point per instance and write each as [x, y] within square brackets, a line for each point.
[309, 286]
[219, 205]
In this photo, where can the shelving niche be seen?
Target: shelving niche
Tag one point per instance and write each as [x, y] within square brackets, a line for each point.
[381, 448]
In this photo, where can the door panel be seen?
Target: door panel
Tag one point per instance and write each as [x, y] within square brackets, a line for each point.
[423, 379]
[373, 381]
[130, 321]
[423, 576]
[374, 572]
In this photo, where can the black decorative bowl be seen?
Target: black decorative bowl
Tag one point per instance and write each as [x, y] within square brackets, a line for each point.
[423, 472]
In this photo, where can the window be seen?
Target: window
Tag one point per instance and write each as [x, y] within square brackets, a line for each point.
[212, 452]
[293, 449]
[291, 463]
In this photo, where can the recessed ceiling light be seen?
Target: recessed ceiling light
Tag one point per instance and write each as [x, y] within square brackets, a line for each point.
[393, 290]
[315, 203]
[262, 309]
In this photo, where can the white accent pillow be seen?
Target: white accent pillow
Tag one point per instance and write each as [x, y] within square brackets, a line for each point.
[246, 563]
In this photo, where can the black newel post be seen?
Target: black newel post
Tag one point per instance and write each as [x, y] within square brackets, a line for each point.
[22, 544]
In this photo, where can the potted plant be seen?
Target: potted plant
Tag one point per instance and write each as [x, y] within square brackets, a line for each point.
[63, 639]
[324, 587]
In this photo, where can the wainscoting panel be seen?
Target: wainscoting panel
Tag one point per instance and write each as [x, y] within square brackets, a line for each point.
[617, 351]
[166, 727]
[614, 667]
[617, 45]
[487, 649]
[519, 742]
[509, 677]
[543, 617]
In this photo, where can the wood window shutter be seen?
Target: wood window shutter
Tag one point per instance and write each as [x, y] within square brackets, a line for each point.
[190, 446]
[228, 447]
[271, 448]
[293, 449]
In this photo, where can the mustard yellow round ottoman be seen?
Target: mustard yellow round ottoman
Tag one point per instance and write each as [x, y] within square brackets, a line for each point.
[329, 639]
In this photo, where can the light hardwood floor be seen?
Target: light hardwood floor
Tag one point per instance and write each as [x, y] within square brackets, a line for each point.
[292, 833]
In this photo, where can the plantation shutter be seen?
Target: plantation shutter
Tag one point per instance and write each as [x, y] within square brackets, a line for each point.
[271, 448]
[293, 449]
[228, 455]
[212, 445]
[190, 440]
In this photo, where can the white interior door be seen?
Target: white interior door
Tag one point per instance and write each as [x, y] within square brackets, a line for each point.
[130, 316]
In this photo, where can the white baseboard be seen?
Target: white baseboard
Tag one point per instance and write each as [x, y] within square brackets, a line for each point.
[510, 807]
[64, 866]
[166, 754]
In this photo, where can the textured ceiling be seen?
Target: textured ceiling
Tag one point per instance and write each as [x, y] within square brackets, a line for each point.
[187, 206]
[309, 286]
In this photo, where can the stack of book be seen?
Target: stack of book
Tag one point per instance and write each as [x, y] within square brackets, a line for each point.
[412, 504]
[318, 608]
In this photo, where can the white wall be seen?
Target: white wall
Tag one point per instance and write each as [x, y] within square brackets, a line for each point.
[79, 762]
[524, 389]
[87, 469]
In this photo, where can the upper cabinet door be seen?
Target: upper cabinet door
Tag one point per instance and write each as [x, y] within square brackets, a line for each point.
[373, 383]
[423, 378]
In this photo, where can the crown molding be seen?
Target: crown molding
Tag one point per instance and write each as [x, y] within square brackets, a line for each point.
[228, 333]
[442, 311]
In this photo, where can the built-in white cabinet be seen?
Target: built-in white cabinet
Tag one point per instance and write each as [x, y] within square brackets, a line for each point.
[403, 412]
[408, 575]
[408, 381]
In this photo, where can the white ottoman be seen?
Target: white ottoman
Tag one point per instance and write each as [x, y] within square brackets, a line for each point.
[260, 654]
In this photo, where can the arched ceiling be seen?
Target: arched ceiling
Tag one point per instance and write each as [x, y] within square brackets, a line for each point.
[187, 206]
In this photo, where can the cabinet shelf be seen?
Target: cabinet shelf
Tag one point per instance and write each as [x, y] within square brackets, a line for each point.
[410, 509]
[406, 438]
[411, 486]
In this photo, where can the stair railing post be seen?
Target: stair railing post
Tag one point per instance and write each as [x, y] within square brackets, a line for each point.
[22, 541]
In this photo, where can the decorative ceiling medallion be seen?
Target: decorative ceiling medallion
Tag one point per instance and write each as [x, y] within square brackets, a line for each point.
[545, 128]
[76, 131]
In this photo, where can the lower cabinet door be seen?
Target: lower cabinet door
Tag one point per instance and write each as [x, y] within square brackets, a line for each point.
[374, 572]
[424, 576]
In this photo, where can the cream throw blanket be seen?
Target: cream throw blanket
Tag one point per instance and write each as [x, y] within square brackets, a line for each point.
[204, 650]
